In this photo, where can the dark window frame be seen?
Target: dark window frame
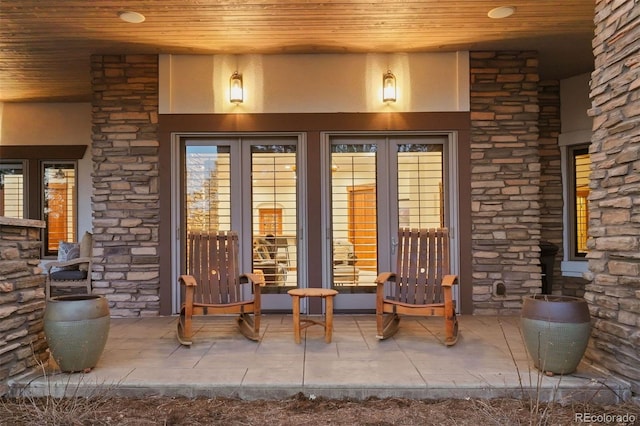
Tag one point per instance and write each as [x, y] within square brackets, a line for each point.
[575, 254]
[34, 158]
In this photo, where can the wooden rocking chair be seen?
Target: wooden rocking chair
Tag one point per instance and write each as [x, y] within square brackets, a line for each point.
[421, 285]
[214, 285]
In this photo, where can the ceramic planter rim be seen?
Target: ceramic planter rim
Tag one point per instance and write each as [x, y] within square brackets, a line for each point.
[554, 308]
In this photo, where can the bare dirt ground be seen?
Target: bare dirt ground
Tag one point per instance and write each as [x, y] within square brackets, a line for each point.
[303, 410]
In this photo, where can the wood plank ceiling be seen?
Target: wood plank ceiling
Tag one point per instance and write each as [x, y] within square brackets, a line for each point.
[45, 46]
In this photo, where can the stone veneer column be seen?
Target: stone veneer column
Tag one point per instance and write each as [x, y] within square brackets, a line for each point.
[614, 202]
[22, 343]
[505, 179]
[125, 199]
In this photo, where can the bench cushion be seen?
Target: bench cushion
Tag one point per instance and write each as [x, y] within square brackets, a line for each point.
[69, 275]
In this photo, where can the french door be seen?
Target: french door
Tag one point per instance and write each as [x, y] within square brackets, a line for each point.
[250, 185]
[377, 184]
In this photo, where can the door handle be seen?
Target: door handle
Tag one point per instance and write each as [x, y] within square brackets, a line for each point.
[394, 244]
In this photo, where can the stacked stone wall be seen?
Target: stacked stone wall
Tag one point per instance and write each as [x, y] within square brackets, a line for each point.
[574, 286]
[505, 179]
[22, 344]
[614, 203]
[551, 201]
[125, 200]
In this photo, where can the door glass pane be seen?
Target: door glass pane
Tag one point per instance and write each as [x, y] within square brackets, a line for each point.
[208, 189]
[274, 206]
[12, 190]
[420, 188]
[354, 222]
[59, 204]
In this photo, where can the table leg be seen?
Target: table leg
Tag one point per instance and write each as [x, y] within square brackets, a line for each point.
[296, 318]
[328, 325]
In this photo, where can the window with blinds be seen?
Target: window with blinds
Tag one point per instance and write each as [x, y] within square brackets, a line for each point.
[59, 204]
[354, 210]
[356, 205]
[12, 195]
[40, 182]
[580, 168]
[274, 207]
[420, 188]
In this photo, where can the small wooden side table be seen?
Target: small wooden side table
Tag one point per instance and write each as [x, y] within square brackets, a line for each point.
[299, 293]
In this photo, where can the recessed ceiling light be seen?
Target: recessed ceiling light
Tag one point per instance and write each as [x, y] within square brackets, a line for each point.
[501, 12]
[132, 17]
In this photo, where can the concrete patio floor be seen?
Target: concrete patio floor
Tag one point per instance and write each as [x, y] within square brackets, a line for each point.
[142, 358]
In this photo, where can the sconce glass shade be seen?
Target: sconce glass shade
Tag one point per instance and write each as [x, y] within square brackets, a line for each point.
[235, 88]
[388, 87]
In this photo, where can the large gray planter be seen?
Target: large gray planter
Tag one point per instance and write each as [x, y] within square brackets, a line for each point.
[76, 328]
[556, 331]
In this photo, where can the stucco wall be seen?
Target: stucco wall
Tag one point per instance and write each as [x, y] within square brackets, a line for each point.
[314, 83]
[575, 104]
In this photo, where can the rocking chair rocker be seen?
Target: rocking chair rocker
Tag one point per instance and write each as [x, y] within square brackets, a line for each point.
[214, 285]
[421, 285]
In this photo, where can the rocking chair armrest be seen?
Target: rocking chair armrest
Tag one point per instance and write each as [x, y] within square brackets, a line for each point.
[449, 280]
[385, 276]
[188, 280]
[72, 262]
[256, 279]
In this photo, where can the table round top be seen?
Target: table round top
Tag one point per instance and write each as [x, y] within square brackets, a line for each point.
[312, 292]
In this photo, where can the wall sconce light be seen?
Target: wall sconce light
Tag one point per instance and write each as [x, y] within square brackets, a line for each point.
[235, 88]
[388, 87]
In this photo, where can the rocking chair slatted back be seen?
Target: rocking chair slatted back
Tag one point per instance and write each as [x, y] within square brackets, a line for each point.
[213, 261]
[213, 285]
[422, 262]
[421, 284]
